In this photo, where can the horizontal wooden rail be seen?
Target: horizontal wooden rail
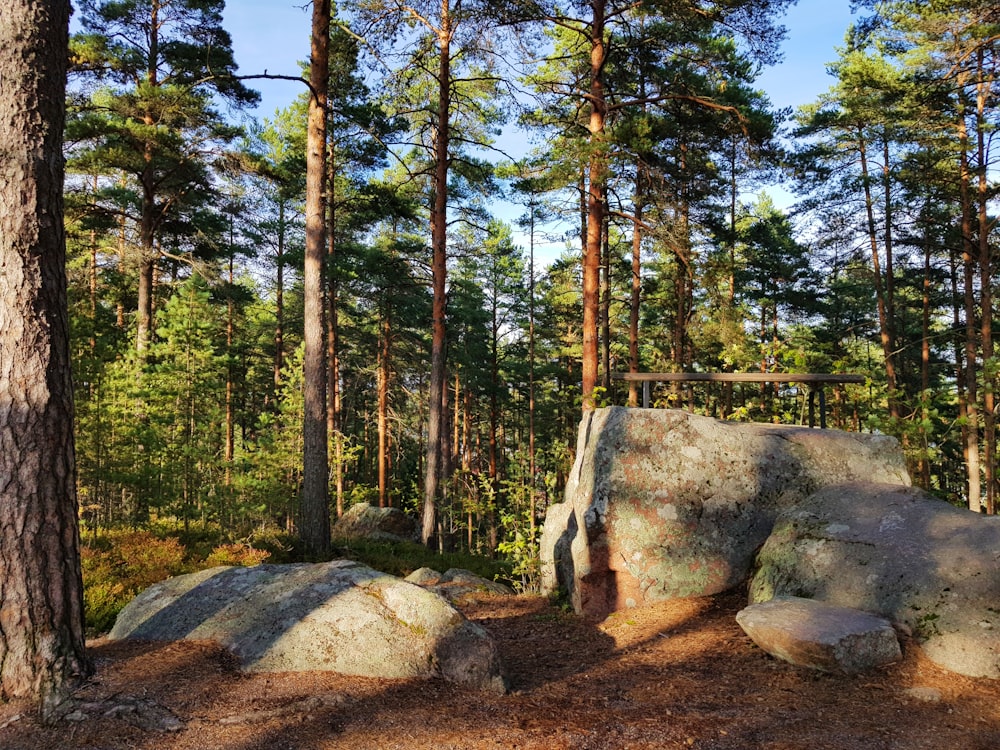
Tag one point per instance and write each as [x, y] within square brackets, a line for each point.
[737, 377]
[814, 380]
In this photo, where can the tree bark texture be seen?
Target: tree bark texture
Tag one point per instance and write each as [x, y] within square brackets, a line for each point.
[971, 428]
[596, 198]
[315, 511]
[439, 272]
[41, 599]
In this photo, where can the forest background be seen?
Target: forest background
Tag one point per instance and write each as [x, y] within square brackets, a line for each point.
[455, 337]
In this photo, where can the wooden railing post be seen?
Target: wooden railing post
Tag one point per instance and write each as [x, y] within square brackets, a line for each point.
[815, 381]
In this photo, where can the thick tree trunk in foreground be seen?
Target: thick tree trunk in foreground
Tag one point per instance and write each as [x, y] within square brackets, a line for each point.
[315, 511]
[41, 601]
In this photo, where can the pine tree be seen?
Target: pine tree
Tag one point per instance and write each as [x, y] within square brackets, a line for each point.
[157, 66]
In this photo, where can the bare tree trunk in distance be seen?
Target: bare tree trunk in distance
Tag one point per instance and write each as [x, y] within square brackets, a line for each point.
[333, 403]
[971, 431]
[636, 291]
[315, 513]
[279, 300]
[439, 271]
[147, 225]
[596, 195]
[384, 370]
[885, 322]
[985, 255]
[41, 620]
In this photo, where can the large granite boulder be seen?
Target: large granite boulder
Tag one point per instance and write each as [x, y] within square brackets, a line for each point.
[663, 503]
[339, 616]
[929, 567]
[364, 521]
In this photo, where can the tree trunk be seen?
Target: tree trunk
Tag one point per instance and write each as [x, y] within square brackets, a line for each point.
[636, 297]
[147, 225]
[439, 271]
[924, 467]
[333, 424]
[384, 365]
[971, 364]
[885, 325]
[596, 198]
[890, 274]
[315, 513]
[986, 285]
[41, 620]
[230, 448]
[279, 300]
[606, 305]
[531, 373]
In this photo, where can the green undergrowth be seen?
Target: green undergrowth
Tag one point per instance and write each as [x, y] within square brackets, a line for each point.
[118, 564]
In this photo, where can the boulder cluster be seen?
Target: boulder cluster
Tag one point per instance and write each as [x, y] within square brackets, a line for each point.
[839, 553]
[664, 504]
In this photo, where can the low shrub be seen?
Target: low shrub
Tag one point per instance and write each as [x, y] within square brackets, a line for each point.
[120, 565]
[235, 554]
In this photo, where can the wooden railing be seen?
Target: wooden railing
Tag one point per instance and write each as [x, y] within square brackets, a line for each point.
[815, 381]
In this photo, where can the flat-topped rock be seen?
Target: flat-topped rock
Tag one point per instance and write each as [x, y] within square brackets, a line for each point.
[664, 504]
[822, 636]
[339, 616]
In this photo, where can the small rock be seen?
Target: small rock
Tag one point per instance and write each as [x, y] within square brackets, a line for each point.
[423, 577]
[457, 583]
[924, 694]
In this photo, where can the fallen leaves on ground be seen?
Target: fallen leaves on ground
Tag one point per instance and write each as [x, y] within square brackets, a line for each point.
[675, 675]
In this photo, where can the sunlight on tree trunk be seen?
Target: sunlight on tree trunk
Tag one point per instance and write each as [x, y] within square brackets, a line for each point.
[41, 620]
[315, 528]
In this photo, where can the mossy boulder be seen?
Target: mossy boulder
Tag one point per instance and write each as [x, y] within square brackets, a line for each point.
[364, 521]
[927, 566]
[663, 504]
[339, 616]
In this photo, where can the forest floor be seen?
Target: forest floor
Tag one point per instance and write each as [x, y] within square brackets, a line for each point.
[676, 675]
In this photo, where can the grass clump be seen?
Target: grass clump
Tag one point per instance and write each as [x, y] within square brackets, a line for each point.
[120, 564]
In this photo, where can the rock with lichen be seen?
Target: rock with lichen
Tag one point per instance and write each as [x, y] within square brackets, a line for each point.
[339, 616]
[663, 504]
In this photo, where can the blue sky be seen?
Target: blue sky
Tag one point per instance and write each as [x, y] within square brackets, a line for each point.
[273, 35]
[815, 28]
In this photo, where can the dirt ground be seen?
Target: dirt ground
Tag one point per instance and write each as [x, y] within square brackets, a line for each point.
[677, 675]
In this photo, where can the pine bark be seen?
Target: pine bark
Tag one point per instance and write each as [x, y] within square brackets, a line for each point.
[439, 271]
[596, 200]
[41, 620]
[315, 512]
